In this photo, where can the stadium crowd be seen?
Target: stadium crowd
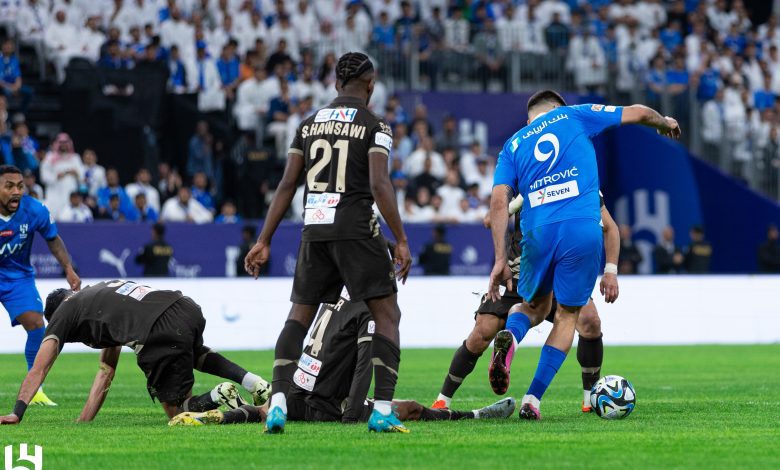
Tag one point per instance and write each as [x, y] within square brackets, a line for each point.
[268, 64]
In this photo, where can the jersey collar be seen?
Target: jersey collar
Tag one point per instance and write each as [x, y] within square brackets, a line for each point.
[348, 100]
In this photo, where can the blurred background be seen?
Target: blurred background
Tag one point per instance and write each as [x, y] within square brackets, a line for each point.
[127, 113]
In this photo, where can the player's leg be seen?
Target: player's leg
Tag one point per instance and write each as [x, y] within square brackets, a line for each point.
[369, 275]
[214, 363]
[590, 350]
[316, 280]
[577, 260]
[23, 303]
[466, 356]
[413, 411]
[242, 415]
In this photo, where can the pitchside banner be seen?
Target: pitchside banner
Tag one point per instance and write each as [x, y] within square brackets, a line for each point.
[108, 250]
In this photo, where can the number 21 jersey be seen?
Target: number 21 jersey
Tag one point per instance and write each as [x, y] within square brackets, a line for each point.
[335, 143]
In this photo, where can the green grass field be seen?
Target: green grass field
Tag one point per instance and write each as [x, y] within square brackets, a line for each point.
[698, 406]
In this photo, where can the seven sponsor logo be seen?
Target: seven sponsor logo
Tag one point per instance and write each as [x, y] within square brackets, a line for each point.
[556, 192]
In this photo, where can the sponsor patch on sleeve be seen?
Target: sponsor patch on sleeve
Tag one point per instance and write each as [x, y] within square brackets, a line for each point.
[610, 109]
[304, 380]
[371, 327]
[309, 365]
[597, 107]
[140, 292]
[384, 140]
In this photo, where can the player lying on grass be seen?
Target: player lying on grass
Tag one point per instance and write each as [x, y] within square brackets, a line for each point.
[334, 375]
[490, 318]
[164, 328]
[562, 237]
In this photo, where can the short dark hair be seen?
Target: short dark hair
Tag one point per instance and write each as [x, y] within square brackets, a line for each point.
[697, 229]
[5, 169]
[159, 229]
[545, 96]
[53, 301]
[351, 66]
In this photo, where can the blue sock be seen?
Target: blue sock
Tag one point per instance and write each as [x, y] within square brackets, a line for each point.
[34, 338]
[549, 363]
[518, 324]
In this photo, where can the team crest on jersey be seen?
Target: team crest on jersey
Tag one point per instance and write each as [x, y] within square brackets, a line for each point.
[336, 114]
[23, 231]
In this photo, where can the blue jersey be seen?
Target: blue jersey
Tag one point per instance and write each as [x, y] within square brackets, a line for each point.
[16, 237]
[552, 164]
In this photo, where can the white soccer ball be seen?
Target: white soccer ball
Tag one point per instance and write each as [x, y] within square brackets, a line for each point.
[613, 397]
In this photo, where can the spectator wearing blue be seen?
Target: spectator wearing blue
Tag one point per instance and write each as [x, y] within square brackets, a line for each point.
[735, 40]
[144, 212]
[655, 81]
[404, 26]
[136, 47]
[114, 211]
[671, 36]
[765, 97]
[200, 156]
[384, 33]
[6, 153]
[23, 148]
[709, 81]
[228, 66]
[200, 191]
[113, 59]
[228, 214]
[11, 77]
[556, 34]
[177, 74]
[114, 189]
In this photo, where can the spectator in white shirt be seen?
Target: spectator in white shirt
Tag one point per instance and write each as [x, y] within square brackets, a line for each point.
[94, 174]
[76, 211]
[142, 184]
[587, 60]
[307, 85]
[252, 99]
[451, 194]
[62, 172]
[305, 23]
[415, 163]
[184, 208]
[548, 8]
[471, 215]
[62, 42]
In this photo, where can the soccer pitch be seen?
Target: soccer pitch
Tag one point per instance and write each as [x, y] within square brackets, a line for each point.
[697, 406]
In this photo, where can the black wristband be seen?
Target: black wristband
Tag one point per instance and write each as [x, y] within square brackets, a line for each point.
[19, 408]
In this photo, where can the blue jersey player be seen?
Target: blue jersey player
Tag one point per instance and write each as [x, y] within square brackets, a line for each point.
[20, 217]
[551, 163]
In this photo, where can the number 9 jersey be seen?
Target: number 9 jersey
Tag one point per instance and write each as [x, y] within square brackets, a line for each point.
[336, 143]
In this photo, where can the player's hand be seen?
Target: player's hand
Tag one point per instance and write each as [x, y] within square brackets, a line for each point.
[500, 273]
[9, 419]
[673, 131]
[609, 287]
[256, 258]
[73, 279]
[403, 260]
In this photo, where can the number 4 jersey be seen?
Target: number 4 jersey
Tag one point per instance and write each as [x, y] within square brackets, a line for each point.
[335, 143]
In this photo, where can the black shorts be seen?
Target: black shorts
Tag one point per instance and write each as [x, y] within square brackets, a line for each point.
[168, 356]
[324, 268]
[301, 409]
[499, 308]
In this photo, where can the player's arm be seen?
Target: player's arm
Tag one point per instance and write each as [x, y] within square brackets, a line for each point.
[361, 378]
[609, 282]
[641, 114]
[32, 382]
[499, 218]
[57, 248]
[285, 192]
[109, 357]
[384, 195]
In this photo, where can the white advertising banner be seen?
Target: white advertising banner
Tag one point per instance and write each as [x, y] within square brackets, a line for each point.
[438, 311]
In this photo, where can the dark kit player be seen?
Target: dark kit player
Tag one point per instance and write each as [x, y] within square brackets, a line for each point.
[164, 328]
[334, 375]
[342, 151]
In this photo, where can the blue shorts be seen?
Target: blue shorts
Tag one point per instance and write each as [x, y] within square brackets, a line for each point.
[562, 257]
[19, 296]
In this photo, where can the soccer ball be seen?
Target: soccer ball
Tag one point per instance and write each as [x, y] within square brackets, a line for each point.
[613, 397]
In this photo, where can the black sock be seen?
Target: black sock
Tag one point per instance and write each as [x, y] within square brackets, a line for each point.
[590, 355]
[385, 356]
[199, 403]
[429, 414]
[462, 364]
[288, 350]
[215, 363]
[243, 414]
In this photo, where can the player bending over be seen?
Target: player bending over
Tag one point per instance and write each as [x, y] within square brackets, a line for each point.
[491, 316]
[560, 222]
[164, 328]
[20, 217]
[342, 150]
[334, 375]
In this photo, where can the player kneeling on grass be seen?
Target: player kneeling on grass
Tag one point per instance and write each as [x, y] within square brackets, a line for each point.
[334, 375]
[164, 328]
[491, 318]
